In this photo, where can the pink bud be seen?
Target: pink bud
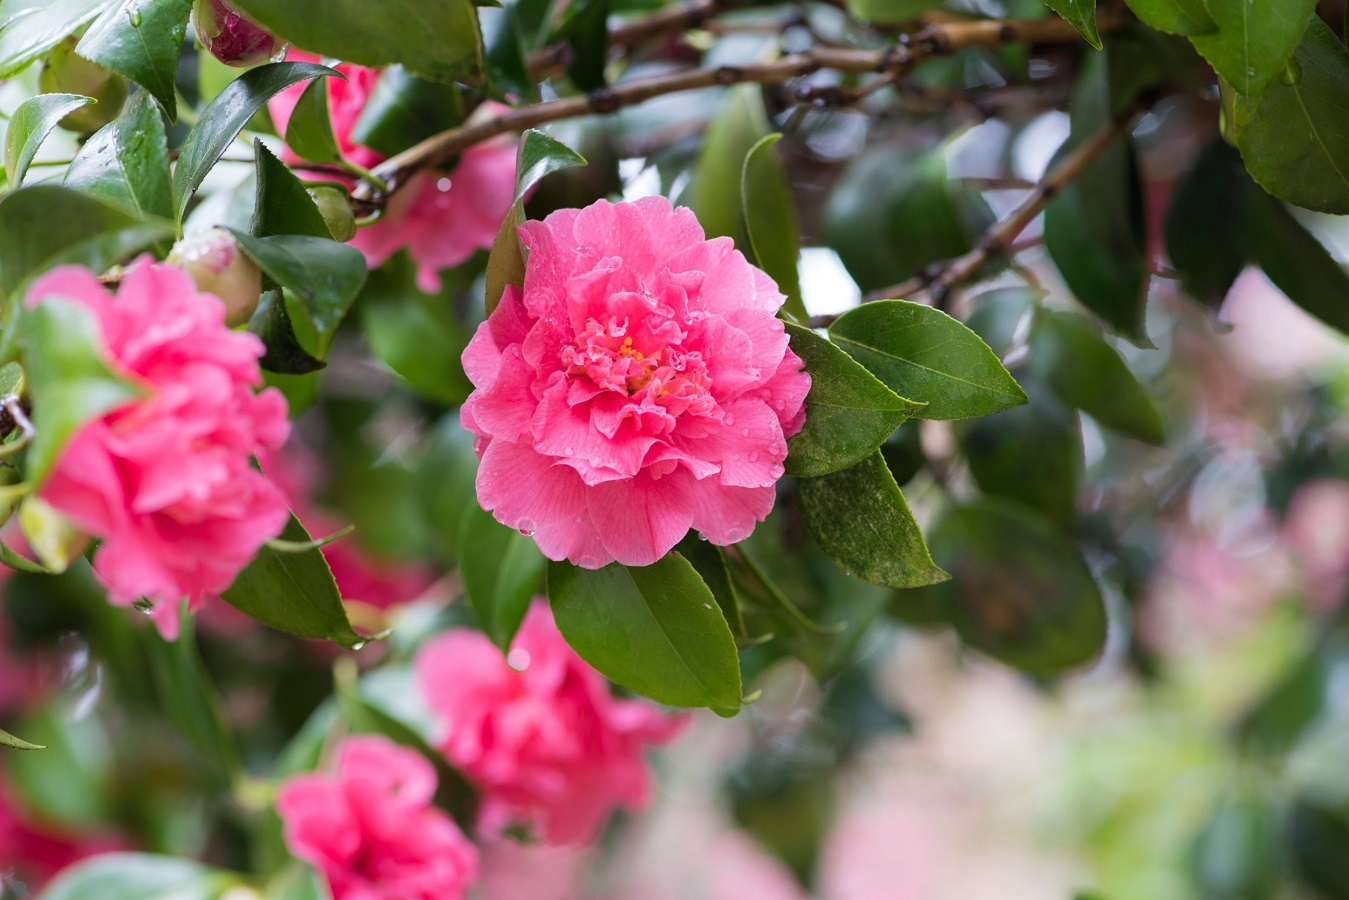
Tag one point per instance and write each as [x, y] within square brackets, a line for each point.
[219, 267]
[231, 38]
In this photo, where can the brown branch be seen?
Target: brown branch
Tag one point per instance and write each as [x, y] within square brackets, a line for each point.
[669, 20]
[898, 59]
[937, 281]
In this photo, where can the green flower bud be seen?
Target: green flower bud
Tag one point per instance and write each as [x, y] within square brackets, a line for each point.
[219, 267]
[65, 72]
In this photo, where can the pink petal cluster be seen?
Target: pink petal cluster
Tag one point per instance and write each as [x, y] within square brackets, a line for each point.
[166, 481]
[638, 386]
[442, 219]
[32, 852]
[371, 830]
[538, 731]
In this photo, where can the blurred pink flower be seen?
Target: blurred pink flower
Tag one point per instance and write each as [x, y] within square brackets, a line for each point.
[441, 218]
[166, 481]
[371, 830]
[538, 730]
[640, 385]
[32, 853]
[512, 870]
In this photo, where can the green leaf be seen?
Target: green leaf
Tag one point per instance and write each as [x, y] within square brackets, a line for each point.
[1032, 454]
[1094, 226]
[29, 126]
[323, 275]
[584, 28]
[138, 876]
[715, 194]
[1089, 374]
[44, 225]
[924, 355]
[1019, 591]
[226, 116]
[1187, 17]
[10, 740]
[285, 354]
[709, 561]
[1205, 226]
[435, 38]
[1296, 261]
[310, 130]
[404, 109]
[283, 204]
[656, 630]
[1081, 14]
[861, 521]
[1239, 852]
[848, 412]
[506, 69]
[1253, 40]
[142, 40]
[502, 570]
[28, 35]
[538, 155]
[413, 333]
[885, 12]
[68, 378]
[1295, 137]
[126, 162]
[1002, 316]
[771, 222]
[294, 592]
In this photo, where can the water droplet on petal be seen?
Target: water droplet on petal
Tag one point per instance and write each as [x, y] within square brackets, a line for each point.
[568, 451]
[443, 185]
[729, 420]
[754, 457]
[518, 659]
[588, 562]
[744, 433]
[144, 606]
[133, 13]
[701, 536]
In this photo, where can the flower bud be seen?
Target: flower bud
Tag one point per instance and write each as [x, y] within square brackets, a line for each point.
[65, 72]
[54, 538]
[231, 38]
[335, 207]
[219, 267]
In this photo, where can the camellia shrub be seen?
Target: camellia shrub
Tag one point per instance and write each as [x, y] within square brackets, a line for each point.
[409, 411]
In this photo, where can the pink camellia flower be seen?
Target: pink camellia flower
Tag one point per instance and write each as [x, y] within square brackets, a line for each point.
[538, 730]
[166, 481]
[640, 385]
[371, 829]
[441, 218]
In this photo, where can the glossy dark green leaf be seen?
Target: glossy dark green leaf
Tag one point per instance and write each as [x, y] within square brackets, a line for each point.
[435, 38]
[1188, 17]
[138, 876]
[656, 630]
[1089, 374]
[68, 378]
[1253, 40]
[310, 130]
[283, 204]
[226, 116]
[709, 561]
[29, 34]
[1002, 317]
[585, 31]
[502, 571]
[323, 275]
[1094, 226]
[1019, 591]
[126, 162]
[506, 263]
[539, 155]
[1205, 226]
[294, 592]
[29, 126]
[44, 225]
[1317, 838]
[1032, 454]
[861, 521]
[1296, 261]
[192, 703]
[1295, 137]
[413, 333]
[9, 740]
[926, 356]
[903, 453]
[404, 109]
[284, 355]
[849, 412]
[142, 40]
[1081, 14]
[771, 223]
[506, 69]
[715, 194]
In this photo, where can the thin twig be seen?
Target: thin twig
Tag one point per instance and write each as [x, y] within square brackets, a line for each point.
[897, 59]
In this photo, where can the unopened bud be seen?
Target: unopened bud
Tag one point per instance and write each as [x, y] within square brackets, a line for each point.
[335, 207]
[231, 38]
[65, 72]
[54, 538]
[219, 267]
